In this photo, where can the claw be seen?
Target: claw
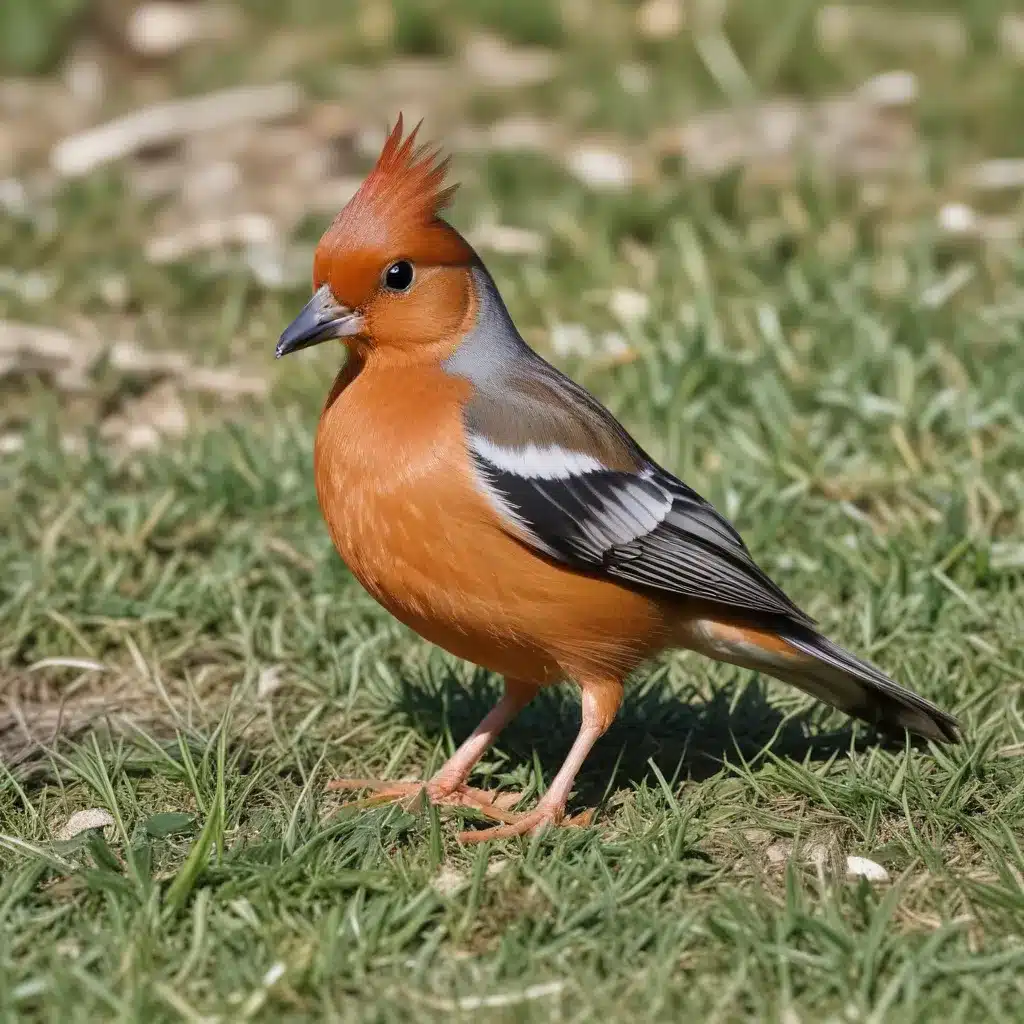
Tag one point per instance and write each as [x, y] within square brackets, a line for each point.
[491, 803]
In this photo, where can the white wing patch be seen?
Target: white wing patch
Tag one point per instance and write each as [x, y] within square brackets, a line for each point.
[566, 502]
[533, 462]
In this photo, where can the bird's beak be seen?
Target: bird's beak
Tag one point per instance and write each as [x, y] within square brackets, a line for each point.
[321, 319]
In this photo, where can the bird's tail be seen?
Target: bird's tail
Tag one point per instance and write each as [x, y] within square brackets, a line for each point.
[801, 656]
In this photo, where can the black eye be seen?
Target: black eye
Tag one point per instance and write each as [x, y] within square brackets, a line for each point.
[398, 276]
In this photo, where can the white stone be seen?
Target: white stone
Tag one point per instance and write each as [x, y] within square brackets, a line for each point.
[861, 867]
[628, 305]
[601, 168]
[958, 219]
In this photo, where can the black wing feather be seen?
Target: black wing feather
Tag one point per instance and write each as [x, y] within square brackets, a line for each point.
[647, 530]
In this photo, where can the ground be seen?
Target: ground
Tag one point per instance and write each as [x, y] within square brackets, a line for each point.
[777, 246]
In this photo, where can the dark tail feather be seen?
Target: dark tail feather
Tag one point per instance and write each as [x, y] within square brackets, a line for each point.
[858, 688]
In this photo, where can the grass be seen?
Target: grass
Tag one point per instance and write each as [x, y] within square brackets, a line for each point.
[846, 383]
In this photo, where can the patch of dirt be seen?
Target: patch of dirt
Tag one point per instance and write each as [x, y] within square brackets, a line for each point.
[36, 713]
[61, 699]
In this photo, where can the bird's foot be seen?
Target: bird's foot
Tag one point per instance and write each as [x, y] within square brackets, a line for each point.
[488, 802]
[528, 823]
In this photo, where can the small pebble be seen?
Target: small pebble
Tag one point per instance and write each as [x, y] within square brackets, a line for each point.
[601, 168]
[628, 305]
[958, 219]
[861, 867]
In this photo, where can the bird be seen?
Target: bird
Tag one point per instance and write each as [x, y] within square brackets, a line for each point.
[497, 508]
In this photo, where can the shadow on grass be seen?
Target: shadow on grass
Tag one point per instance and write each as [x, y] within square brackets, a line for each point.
[685, 736]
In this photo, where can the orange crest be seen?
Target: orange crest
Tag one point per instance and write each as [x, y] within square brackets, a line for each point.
[407, 182]
[395, 214]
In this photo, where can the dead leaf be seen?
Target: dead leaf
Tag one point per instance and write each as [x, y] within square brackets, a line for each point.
[495, 1001]
[269, 681]
[571, 340]
[83, 821]
[73, 366]
[522, 132]
[83, 664]
[30, 348]
[85, 78]
[997, 175]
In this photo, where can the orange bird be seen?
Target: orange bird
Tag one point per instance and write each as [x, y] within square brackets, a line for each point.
[500, 511]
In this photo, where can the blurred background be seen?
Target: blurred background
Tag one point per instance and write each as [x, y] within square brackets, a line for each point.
[781, 239]
[167, 166]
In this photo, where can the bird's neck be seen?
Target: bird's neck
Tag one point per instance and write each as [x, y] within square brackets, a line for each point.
[377, 406]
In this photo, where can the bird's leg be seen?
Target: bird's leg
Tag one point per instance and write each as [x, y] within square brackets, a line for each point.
[448, 784]
[601, 701]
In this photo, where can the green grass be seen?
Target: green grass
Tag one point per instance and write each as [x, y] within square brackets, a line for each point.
[796, 367]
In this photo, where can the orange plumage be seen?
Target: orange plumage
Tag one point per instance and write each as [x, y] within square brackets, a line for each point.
[497, 509]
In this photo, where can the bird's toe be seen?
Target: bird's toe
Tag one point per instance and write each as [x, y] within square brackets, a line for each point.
[491, 803]
[528, 823]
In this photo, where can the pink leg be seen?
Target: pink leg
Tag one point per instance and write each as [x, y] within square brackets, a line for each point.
[601, 701]
[454, 772]
[448, 784]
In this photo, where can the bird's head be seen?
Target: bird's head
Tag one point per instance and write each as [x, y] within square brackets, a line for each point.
[389, 273]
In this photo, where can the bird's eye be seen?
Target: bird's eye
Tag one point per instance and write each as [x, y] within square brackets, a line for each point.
[398, 276]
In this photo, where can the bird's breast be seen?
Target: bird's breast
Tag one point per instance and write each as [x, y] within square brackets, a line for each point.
[386, 464]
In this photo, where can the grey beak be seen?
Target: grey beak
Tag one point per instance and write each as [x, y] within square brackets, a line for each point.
[321, 319]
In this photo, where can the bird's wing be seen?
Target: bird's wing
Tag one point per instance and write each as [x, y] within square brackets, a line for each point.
[565, 477]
